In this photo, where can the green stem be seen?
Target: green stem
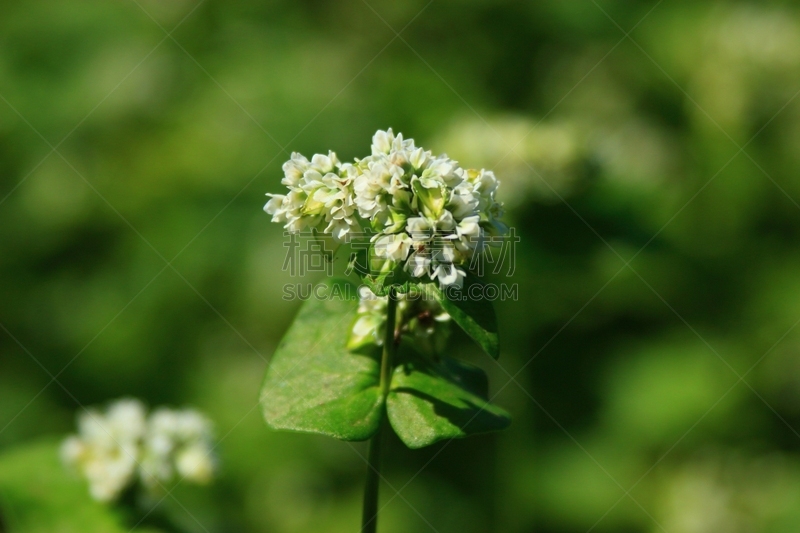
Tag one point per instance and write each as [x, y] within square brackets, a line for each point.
[389, 345]
[369, 519]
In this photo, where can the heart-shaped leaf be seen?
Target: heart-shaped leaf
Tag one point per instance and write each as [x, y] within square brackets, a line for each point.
[472, 311]
[466, 376]
[430, 401]
[313, 383]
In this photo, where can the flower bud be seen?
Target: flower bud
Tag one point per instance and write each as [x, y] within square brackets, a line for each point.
[429, 197]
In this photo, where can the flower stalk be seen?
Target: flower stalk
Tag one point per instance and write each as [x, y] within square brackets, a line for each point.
[369, 520]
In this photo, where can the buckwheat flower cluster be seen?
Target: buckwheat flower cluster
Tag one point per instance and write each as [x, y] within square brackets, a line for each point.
[115, 448]
[427, 213]
[177, 442]
[421, 320]
[320, 196]
[107, 448]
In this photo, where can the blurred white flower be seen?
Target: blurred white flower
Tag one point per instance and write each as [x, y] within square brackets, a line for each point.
[115, 448]
[107, 447]
[536, 159]
[727, 491]
[194, 463]
[170, 435]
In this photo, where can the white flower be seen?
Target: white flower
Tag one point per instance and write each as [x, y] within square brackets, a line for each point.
[369, 301]
[288, 208]
[420, 158]
[111, 447]
[276, 207]
[469, 233]
[324, 163]
[419, 264]
[339, 228]
[155, 467]
[368, 196]
[375, 188]
[443, 257]
[367, 330]
[484, 182]
[463, 201]
[446, 222]
[444, 170]
[421, 229]
[195, 464]
[431, 216]
[294, 169]
[125, 419]
[72, 449]
[371, 318]
[170, 435]
[366, 325]
[192, 425]
[394, 247]
[422, 319]
[448, 274]
[385, 142]
[106, 449]
[382, 142]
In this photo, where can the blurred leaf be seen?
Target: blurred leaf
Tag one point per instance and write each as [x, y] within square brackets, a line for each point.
[476, 316]
[429, 402]
[38, 495]
[313, 383]
[656, 396]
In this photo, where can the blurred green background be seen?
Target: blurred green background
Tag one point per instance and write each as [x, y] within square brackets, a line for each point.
[654, 181]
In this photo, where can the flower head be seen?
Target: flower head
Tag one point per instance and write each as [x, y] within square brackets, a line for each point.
[106, 449]
[177, 442]
[429, 215]
[115, 447]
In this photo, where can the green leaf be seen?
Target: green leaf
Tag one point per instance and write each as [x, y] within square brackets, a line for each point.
[381, 275]
[430, 401]
[313, 383]
[475, 315]
[467, 376]
[38, 495]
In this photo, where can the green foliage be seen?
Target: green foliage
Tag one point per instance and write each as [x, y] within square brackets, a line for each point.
[37, 495]
[605, 144]
[380, 275]
[431, 401]
[315, 384]
[476, 316]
